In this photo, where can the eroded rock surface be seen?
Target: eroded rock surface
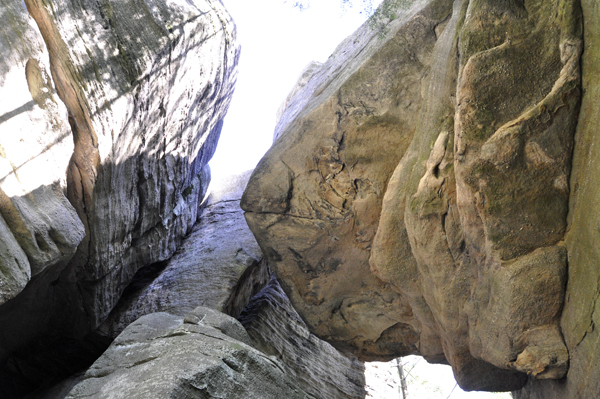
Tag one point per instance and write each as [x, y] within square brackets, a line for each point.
[415, 199]
[40, 229]
[205, 355]
[580, 316]
[276, 329]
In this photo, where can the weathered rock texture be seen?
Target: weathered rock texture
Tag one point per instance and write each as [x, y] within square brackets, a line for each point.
[109, 112]
[580, 316]
[205, 355]
[277, 330]
[415, 199]
[39, 228]
[218, 265]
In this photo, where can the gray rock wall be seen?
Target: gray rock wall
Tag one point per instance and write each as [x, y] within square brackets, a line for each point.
[218, 265]
[205, 355]
[276, 329]
[112, 111]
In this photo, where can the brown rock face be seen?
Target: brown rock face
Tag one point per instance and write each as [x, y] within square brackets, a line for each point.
[415, 199]
[580, 316]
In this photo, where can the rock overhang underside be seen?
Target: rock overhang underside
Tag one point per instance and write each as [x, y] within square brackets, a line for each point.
[415, 198]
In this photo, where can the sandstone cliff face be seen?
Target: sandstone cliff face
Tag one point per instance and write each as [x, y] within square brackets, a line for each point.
[110, 112]
[427, 189]
[580, 314]
[415, 199]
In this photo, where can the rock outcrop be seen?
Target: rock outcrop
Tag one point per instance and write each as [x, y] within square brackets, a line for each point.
[415, 198]
[205, 355]
[110, 112]
[40, 229]
[218, 266]
[276, 329]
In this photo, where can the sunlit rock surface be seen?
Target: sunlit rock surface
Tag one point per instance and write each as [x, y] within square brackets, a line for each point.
[415, 198]
[40, 229]
[205, 355]
[109, 113]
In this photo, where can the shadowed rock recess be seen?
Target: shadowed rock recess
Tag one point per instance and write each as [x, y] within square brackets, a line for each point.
[415, 198]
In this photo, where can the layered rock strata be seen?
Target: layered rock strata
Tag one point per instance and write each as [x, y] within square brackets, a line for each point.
[276, 329]
[218, 265]
[110, 112]
[415, 198]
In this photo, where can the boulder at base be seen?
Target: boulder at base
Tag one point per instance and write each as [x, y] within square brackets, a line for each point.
[205, 355]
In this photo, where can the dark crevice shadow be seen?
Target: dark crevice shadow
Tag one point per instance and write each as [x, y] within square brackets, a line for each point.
[28, 106]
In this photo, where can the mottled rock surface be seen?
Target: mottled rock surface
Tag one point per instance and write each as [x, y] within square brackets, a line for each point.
[580, 316]
[205, 355]
[109, 113]
[218, 265]
[314, 213]
[415, 199]
[276, 329]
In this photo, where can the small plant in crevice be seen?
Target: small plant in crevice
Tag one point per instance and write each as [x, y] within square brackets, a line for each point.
[379, 16]
[385, 13]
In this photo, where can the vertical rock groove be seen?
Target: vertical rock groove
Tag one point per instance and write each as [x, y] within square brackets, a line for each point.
[85, 161]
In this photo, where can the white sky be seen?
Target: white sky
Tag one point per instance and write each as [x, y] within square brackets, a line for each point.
[424, 381]
[278, 41]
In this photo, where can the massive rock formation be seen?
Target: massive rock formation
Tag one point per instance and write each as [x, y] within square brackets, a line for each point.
[580, 314]
[39, 227]
[110, 112]
[415, 198]
[427, 189]
[217, 267]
